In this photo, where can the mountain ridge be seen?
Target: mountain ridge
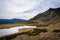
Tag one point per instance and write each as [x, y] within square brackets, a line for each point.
[5, 21]
[50, 13]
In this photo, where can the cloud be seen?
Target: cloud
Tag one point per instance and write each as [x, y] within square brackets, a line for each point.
[25, 9]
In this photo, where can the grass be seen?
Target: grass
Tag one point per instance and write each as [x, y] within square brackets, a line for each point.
[12, 25]
[33, 32]
[51, 26]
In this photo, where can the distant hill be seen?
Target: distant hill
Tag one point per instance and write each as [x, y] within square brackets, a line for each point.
[5, 21]
[47, 15]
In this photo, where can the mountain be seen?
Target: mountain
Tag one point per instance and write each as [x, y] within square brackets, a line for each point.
[4, 21]
[47, 18]
[47, 15]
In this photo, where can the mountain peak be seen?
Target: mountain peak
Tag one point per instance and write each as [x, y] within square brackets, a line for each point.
[50, 13]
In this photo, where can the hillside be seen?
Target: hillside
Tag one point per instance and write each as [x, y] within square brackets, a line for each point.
[6, 21]
[49, 17]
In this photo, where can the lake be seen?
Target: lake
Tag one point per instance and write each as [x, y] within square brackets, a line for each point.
[13, 30]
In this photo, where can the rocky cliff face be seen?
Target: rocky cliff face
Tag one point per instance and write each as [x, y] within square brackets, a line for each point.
[50, 13]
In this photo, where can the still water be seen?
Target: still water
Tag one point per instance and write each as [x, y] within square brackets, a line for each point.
[13, 30]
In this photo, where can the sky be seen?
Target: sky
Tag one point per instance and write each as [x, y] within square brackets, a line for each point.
[25, 9]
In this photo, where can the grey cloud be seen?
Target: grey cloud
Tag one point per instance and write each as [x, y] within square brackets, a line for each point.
[9, 8]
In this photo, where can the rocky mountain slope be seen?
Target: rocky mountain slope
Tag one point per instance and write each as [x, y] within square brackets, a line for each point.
[50, 13]
[51, 16]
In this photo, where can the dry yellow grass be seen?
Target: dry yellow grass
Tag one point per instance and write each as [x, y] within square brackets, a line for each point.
[25, 30]
[12, 25]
